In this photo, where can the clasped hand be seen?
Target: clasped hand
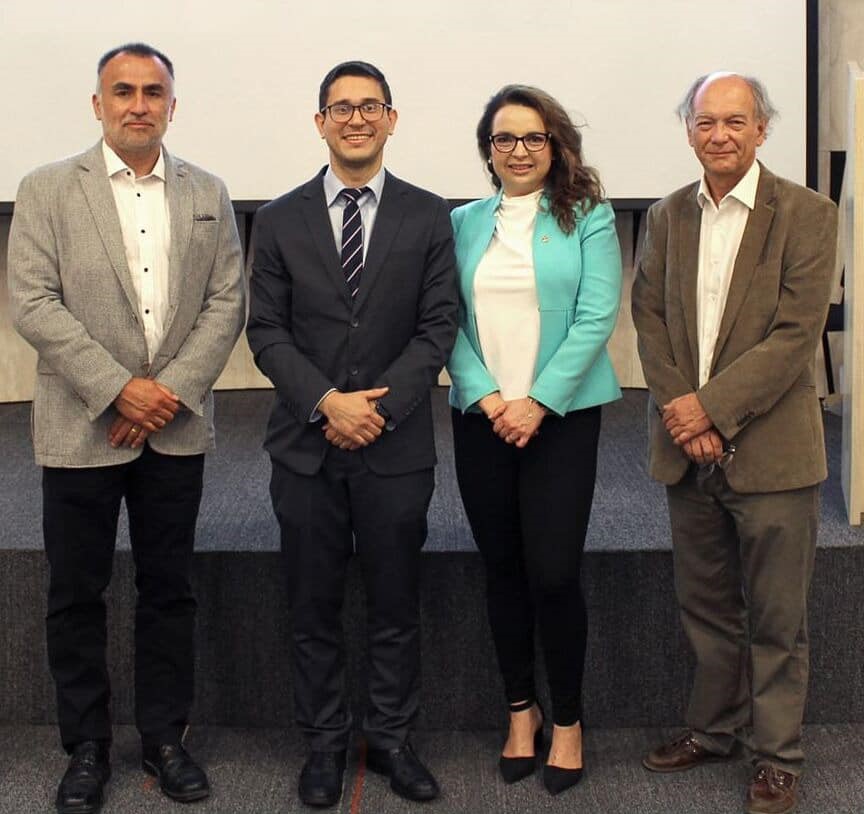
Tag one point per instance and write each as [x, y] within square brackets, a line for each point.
[145, 406]
[352, 421]
[514, 422]
[704, 449]
[691, 429]
[685, 418]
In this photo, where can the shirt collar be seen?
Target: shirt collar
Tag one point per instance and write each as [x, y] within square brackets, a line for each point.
[333, 186]
[114, 164]
[744, 191]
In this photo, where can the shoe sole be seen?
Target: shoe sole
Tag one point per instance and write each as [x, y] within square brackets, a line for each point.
[80, 809]
[323, 803]
[187, 797]
[762, 811]
[86, 809]
[672, 769]
[414, 798]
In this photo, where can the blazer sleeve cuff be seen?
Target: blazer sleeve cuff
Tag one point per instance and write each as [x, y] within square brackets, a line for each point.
[726, 420]
[465, 399]
[98, 398]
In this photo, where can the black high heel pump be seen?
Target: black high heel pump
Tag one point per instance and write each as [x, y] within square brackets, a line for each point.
[514, 769]
[557, 779]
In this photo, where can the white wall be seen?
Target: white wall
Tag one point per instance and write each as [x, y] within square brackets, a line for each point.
[248, 74]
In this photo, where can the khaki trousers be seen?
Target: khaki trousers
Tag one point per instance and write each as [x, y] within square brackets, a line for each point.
[743, 564]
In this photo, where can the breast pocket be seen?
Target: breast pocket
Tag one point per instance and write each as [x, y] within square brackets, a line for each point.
[203, 243]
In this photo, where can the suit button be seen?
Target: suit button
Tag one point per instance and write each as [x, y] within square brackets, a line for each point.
[355, 323]
[354, 371]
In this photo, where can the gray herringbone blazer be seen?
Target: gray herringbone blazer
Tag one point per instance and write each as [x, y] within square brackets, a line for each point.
[73, 300]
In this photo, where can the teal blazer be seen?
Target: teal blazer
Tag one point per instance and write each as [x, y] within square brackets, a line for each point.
[578, 291]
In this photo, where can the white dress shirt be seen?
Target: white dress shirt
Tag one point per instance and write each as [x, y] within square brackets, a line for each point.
[505, 298]
[720, 234]
[145, 223]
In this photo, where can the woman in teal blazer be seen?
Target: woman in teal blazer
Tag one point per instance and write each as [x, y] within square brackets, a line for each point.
[540, 282]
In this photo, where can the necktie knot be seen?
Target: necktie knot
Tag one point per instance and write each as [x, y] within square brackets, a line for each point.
[354, 194]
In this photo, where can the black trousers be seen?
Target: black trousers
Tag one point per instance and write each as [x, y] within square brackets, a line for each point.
[324, 519]
[80, 512]
[529, 509]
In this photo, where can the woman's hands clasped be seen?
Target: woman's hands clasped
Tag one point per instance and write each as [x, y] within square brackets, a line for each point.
[515, 422]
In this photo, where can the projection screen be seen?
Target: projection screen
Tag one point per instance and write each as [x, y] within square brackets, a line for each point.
[248, 75]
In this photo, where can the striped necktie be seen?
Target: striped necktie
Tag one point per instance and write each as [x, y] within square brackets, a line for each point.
[352, 238]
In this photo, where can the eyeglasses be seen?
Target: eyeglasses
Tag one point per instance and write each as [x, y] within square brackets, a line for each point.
[533, 142]
[342, 112]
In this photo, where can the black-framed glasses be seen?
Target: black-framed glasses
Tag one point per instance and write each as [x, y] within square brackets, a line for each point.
[342, 112]
[506, 142]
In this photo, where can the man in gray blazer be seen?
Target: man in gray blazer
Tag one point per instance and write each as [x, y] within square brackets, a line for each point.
[126, 276]
[729, 302]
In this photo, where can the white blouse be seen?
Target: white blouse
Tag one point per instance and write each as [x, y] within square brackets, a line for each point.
[505, 298]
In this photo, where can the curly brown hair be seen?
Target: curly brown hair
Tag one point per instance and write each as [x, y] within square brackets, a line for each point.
[569, 184]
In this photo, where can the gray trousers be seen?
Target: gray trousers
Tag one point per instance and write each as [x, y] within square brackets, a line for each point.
[743, 564]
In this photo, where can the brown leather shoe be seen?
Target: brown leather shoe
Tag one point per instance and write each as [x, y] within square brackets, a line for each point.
[680, 754]
[772, 791]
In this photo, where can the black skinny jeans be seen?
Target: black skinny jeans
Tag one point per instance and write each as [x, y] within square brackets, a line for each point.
[529, 509]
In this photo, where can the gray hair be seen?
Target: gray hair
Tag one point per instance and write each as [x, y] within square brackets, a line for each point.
[765, 111]
[138, 49]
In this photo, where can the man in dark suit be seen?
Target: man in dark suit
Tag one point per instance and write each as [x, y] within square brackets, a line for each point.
[126, 276]
[353, 314]
[729, 301]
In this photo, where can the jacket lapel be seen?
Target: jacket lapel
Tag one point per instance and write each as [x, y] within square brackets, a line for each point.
[481, 234]
[103, 209]
[181, 212]
[749, 254]
[388, 219]
[689, 224]
[321, 229]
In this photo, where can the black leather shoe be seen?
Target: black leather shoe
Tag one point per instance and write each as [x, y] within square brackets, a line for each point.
[409, 778]
[180, 777]
[321, 778]
[81, 790]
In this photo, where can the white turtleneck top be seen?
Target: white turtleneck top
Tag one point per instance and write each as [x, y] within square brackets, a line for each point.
[505, 298]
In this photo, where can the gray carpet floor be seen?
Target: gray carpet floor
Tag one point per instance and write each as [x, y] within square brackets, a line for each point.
[256, 771]
[629, 509]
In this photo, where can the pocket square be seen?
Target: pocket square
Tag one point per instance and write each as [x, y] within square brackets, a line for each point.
[203, 217]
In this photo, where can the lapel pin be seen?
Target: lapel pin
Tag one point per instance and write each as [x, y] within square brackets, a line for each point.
[544, 239]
